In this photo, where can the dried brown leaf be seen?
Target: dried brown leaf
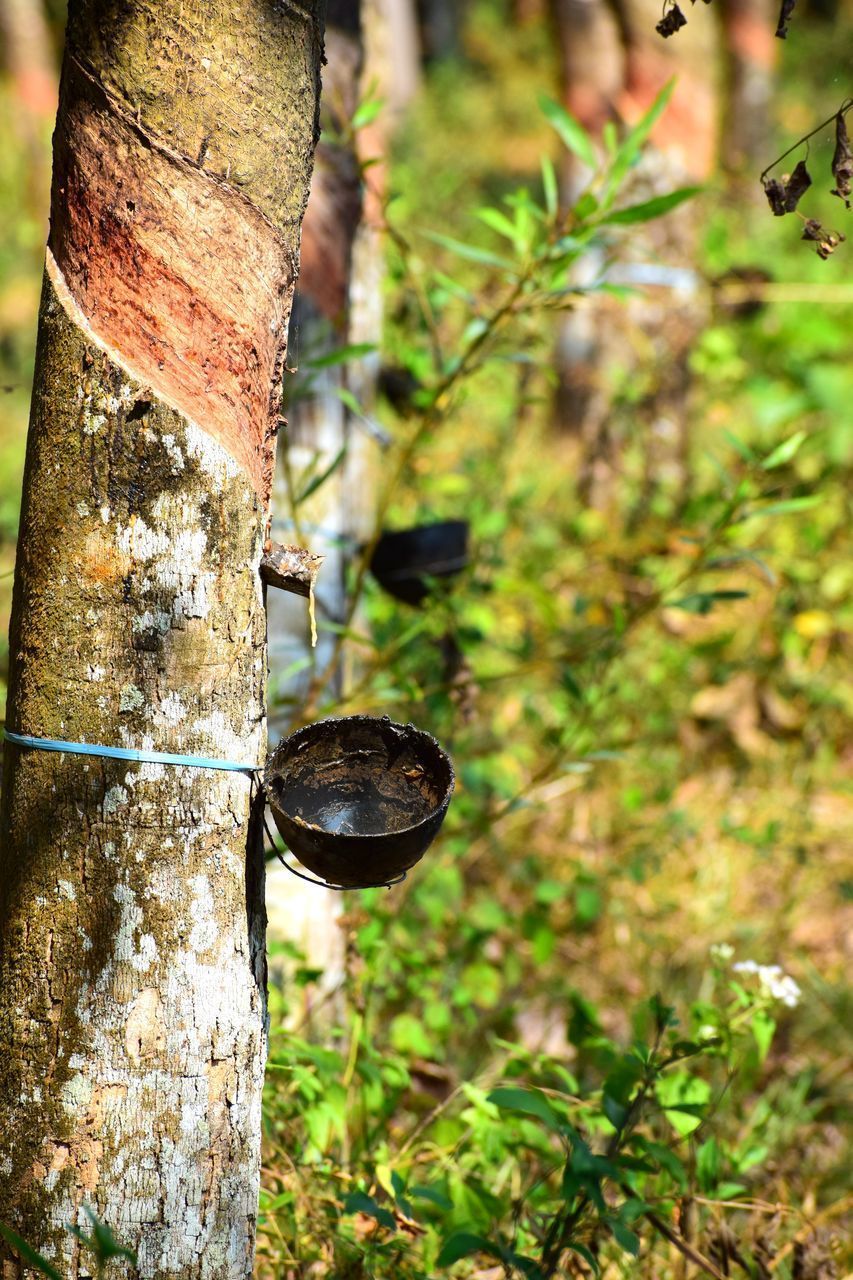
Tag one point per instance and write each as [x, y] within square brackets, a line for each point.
[796, 186]
[673, 20]
[785, 193]
[784, 18]
[775, 192]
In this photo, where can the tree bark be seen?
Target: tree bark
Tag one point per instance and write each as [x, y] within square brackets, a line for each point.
[132, 970]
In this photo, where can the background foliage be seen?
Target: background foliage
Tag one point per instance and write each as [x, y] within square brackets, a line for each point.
[544, 1039]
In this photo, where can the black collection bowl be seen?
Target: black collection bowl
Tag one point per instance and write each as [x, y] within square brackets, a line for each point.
[403, 562]
[358, 799]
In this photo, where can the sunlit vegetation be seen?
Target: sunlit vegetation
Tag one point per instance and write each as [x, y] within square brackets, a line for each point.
[602, 1027]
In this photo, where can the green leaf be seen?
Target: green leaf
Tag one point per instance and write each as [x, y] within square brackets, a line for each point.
[728, 1190]
[527, 1266]
[684, 1099]
[570, 684]
[549, 186]
[28, 1254]
[785, 451]
[528, 1103]
[787, 506]
[708, 1163]
[320, 480]
[342, 355]
[471, 252]
[499, 222]
[461, 1245]
[690, 1048]
[628, 1239]
[571, 131]
[589, 904]
[763, 1030]
[740, 446]
[455, 289]
[359, 1202]
[408, 1035]
[348, 400]
[702, 602]
[664, 1156]
[636, 138]
[650, 208]
[623, 291]
[582, 1251]
[104, 1242]
[615, 1111]
[623, 1079]
[366, 112]
[733, 558]
[429, 1194]
[632, 1209]
[293, 668]
[586, 206]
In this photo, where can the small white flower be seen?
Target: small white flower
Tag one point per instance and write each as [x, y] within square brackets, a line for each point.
[721, 953]
[783, 987]
[773, 982]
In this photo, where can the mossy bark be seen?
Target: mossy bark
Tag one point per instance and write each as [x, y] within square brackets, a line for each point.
[132, 1009]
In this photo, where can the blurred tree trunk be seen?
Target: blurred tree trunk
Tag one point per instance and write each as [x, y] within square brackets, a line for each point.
[28, 55]
[132, 965]
[613, 65]
[441, 27]
[529, 11]
[750, 57]
[338, 302]
[398, 52]
[592, 72]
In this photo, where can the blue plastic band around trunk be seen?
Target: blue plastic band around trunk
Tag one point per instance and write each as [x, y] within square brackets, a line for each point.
[127, 753]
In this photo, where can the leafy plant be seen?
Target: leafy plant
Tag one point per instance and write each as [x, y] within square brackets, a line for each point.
[100, 1242]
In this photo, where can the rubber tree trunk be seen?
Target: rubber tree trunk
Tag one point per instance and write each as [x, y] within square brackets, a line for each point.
[132, 971]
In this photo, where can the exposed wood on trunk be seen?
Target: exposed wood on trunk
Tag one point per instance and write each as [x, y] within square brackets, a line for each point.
[132, 965]
[176, 272]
